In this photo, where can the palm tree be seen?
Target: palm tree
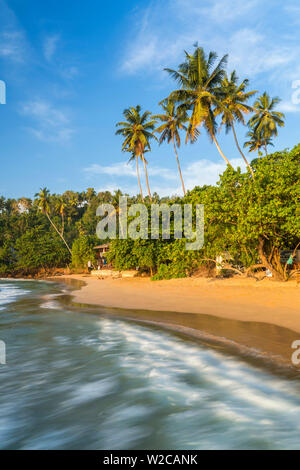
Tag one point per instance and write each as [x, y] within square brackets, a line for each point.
[255, 142]
[173, 120]
[199, 83]
[43, 203]
[138, 131]
[265, 119]
[136, 157]
[117, 209]
[60, 207]
[234, 99]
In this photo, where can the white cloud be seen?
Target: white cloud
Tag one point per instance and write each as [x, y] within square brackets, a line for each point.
[229, 10]
[50, 45]
[122, 169]
[12, 45]
[116, 169]
[198, 173]
[252, 54]
[207, 172]
[52, 124]
[160, 33]
[13, 41]
[288, 107]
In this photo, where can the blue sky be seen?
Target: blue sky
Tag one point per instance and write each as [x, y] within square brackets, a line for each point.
[71, 67]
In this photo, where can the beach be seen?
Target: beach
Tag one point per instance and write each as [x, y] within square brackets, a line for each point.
[266, 301]
[79, 377]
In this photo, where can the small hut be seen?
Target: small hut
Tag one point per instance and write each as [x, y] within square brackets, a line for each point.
[101, 252]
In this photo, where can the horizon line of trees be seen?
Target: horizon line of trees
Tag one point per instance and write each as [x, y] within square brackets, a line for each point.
[251, 219]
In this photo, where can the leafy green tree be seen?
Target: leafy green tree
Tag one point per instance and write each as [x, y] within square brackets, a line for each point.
[199, 92]
[254, 221]
[137, 132]
[121, 254]
[145, 253]
[173, 120]
[265, 120]
[7, 258]
[37, 248]
[82, 252]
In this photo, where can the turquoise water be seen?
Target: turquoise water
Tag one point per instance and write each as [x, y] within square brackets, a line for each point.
[75, 380]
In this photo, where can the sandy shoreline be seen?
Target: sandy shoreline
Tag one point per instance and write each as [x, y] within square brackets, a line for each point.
[237, 299]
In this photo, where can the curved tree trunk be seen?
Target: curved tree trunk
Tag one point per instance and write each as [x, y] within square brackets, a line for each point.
[61, 236]
[239, 149]
[178, 166]
[277, 272]
[138, 175]
[221, 153]
[146, 174]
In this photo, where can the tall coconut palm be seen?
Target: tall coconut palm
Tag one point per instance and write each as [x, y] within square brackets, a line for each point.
[173, 120]
[138, 131]
[234, 106]
[256, 142]
[136, 157]
[43, 203]
[199, 81]
[265, 120]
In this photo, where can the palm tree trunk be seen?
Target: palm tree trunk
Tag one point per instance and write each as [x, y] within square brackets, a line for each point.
[266, 149]
[219, 148]
[239, 149]
[138, 175]
[178, 166]
[61, 236]
[62, 224]
[146, 174]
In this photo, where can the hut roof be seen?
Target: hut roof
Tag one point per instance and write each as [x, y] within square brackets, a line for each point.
[105, 245]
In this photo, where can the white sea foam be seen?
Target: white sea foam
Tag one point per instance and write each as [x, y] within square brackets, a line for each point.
[9, 293]
[228, 387]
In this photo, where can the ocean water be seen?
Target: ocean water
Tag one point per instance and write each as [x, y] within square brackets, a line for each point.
[76, 380]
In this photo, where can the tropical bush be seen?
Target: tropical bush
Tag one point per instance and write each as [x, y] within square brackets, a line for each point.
[82, 251]
[38, 248]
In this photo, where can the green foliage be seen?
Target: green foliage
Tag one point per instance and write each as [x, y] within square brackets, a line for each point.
[254, 219]
[6, 258]
[121, 254]
[82, 252]
[250, 218]
[39, 248]
[145, 252]
[170, 271]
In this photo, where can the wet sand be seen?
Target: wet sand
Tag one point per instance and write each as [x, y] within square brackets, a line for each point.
[258, 319]
[266, 301]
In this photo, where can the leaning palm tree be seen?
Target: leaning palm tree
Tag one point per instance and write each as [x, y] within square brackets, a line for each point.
[234, 106]
[256, 142]
[199, 81]
[265, 120]
[43, 203]
[173, 120]
[138, 131]
[60, 207]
